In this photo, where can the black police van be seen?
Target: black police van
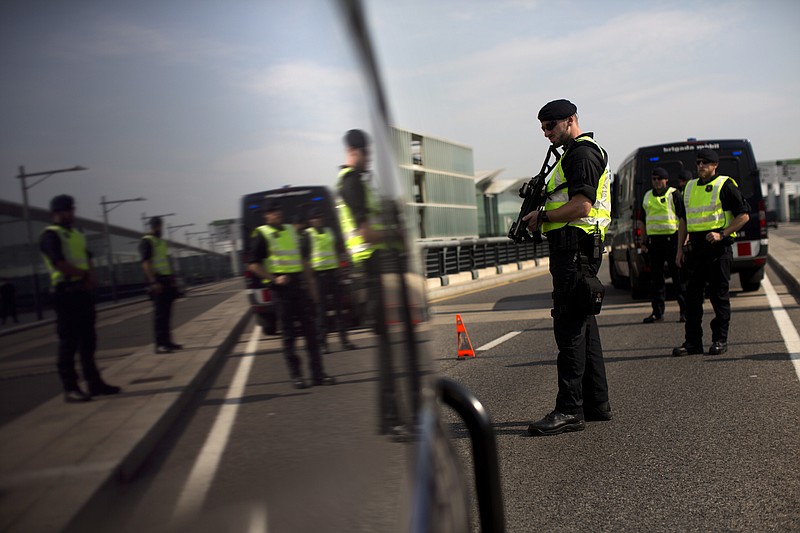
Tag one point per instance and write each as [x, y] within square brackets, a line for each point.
[297, 203]
[628, 267]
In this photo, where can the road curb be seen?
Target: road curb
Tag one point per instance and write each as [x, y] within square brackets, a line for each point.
[61, 462]
[524, 270]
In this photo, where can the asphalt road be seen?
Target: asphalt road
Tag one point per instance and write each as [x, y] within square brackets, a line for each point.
[697, 443]
[28, 375]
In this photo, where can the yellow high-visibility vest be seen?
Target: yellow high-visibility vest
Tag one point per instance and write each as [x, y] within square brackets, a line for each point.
[323, 249]
[160, 257]
[359, 249]
[703, 206]
[284, 250]
[73, 246]
[557, 195]
[661, 217]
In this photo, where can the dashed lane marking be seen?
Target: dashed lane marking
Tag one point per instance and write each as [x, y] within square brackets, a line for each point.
[500, 340]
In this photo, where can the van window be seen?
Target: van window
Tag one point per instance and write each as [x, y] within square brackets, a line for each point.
[739, 170]
[735, 161]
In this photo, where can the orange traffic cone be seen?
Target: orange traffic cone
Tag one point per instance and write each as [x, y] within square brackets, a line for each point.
[463, 343]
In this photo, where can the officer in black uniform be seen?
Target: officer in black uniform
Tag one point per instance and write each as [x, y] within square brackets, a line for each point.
[661, 236]
[574, 219]
[684, 177]
[709, 254]
[72, 278]
[324, 247]
[371, 250]
[161, 281]
[291, 295]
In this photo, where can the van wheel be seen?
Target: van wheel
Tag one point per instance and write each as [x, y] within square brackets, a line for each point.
[750, 280]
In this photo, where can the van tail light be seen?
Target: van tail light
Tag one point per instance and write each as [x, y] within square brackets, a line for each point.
[762, 219]
[637, 231]
[637, 236]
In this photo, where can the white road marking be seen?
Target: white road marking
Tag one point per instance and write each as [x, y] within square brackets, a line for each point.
[258, 520]
[504, 338]
[790, 336]
[205, 466]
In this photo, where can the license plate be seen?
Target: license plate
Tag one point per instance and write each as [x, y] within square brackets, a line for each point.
[743, 249]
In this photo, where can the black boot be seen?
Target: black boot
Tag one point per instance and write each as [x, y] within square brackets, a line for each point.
[557, 422]
[101, 388]
[75, 395]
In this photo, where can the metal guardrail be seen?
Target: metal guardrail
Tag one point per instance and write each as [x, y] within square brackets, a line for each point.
[441, 258]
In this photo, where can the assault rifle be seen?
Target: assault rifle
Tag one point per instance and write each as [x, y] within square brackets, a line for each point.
[534, 198]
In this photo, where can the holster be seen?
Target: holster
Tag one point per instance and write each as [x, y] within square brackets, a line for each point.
[564, 239]
[586, 295]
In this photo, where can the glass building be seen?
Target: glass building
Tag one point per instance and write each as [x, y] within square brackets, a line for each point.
[439, 177]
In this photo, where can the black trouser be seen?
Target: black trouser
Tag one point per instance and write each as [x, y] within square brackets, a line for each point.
[581, 369]
[294, 305]
[329, 288]
[388, 413]
[162, 311]
[75, 318]
[711, 264]
[8, 308]
[662, 249]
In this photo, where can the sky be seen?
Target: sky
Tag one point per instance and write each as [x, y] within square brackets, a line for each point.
[192, 104]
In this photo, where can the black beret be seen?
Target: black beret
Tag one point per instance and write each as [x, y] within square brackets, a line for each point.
[356, 139]
[557, 110]
[661, 173]
[708, 154]
[686, 175]
[271, 205]
[62, 202]
[155, 221]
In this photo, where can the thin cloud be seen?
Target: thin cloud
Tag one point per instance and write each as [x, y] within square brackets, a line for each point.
[291, 80]
[113, 39]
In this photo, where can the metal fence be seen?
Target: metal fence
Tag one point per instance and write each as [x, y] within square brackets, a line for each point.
[450, 257]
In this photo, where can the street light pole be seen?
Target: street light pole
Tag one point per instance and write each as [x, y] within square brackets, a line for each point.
[189, 233]
[195, 233]
[26, 215]
[170, 229]
[115, 203]
[207, 259]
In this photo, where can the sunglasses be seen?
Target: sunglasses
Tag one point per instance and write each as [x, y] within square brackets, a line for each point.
[703, 162]
[657, 178]
[550, 125]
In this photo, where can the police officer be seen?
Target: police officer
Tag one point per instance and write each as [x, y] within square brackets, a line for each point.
[684, 177]
[575, 217]
[324, 249]
[715, 211]
[365, 240]
[72, 280]
[276, 256]
[158, 270]
[662, 208]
